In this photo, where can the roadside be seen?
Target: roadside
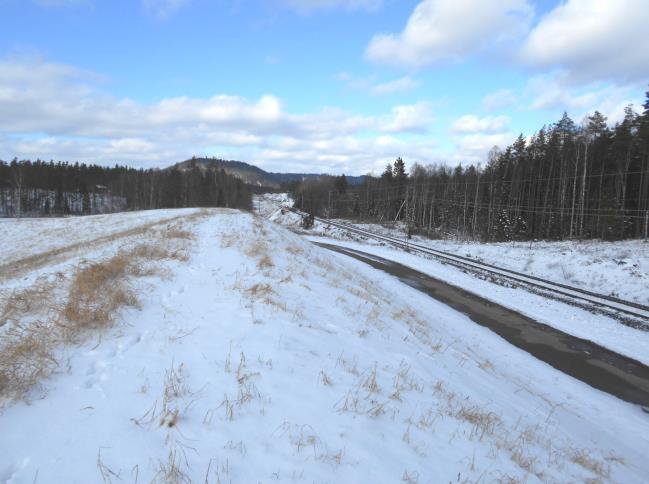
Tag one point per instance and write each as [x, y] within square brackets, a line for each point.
[600, 368]
[598, 328]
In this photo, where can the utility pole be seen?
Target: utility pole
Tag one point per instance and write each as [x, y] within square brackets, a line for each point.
[329, 209]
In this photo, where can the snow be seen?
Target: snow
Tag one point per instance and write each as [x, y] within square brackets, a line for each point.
[598, 328]
[283, 361]
[22, 237]
[619, 269]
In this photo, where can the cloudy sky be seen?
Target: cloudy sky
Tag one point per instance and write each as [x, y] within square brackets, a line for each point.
[308, 85]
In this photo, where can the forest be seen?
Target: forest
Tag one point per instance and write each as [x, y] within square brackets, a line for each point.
[568, 180]
[42, 188]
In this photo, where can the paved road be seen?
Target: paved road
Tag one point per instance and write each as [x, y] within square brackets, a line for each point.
[589, 362]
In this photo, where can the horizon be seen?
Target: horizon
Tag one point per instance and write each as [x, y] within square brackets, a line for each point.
[307, 86]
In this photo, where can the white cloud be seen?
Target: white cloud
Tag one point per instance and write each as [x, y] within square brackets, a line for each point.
[55, 111]
[309, 5]
[474, 147]
[163, 9]
[498, 99]
[592, 40]
[409, 118]
[470, 123]
[403, 84]
[355, 82]
[450, 29]
[370, 84]
[557, 93]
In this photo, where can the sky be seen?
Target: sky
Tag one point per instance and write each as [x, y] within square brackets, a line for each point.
[324, 86]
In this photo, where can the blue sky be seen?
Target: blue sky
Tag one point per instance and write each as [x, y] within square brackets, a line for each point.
[308, 85]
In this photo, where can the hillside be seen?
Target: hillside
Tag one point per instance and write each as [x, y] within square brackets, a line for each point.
[254, 175]
[238, 352]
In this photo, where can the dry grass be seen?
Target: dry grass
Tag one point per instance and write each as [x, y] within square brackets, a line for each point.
[26, 357]
[260, 291]
[178, 233]
[40, 323]
[265, 263]
[35, 299]
[229, 240]
[32, 262]
[325, 379]
[97, 291]
[171, 471]
[157, 252]
[586, 460]
[257, 248]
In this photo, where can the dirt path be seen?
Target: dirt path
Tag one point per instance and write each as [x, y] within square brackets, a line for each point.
[591, 363]
[22, 266]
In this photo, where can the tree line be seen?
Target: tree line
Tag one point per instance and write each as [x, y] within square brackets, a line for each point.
[40, 188]
[568, 180]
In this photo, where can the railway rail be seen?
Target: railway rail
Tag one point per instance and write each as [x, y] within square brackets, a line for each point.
[603, 301]
[610, 304]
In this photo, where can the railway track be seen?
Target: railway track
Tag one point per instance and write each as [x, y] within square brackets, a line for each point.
[608, 303]
[618, 307]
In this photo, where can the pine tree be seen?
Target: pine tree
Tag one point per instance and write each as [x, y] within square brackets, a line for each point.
[399, 171]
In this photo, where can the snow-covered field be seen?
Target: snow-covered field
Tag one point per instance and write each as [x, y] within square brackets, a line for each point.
[23, 237]
[262, 357]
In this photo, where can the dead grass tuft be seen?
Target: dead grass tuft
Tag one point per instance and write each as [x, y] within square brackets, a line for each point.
[256, 248]
[35, 299]
[483, 422]
[26, 357]
[260, 290]
[265, 263]
[176, 233]
[156, 252]
[585, 459]
[171, 472]
[295, 250]
[325, 379]
[97, 291]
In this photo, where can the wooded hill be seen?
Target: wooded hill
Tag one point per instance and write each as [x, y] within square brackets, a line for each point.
[42, 188]
[566, 181]
[254, 175]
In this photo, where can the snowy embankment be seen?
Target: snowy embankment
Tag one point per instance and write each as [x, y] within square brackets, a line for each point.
[626, 266]
[262, 357]
[619, 269]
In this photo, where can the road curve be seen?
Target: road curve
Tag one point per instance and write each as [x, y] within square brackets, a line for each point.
[589, 362]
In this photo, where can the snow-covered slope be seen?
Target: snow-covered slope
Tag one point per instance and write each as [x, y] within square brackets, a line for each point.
[618, 268]
[264, 358]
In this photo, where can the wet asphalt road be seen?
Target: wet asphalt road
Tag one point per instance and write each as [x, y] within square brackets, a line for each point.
[589, 362]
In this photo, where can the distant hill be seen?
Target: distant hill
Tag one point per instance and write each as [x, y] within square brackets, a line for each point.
[254, 175]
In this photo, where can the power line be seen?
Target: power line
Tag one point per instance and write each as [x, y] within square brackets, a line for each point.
[560, 211]
[449, 183]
